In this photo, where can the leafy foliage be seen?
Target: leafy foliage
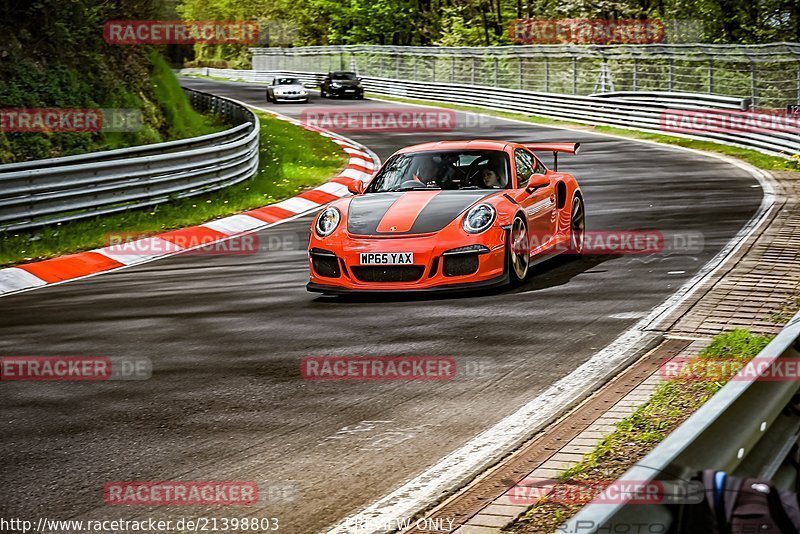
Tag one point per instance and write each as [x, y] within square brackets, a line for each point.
[480, 22]
[52, 54]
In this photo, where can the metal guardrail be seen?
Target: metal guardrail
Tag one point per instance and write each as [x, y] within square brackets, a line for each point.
[42, 192]
[748, 428]
[644, 112]
[768, 74]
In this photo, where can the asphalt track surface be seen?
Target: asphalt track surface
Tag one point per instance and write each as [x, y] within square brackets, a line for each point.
[226, 335]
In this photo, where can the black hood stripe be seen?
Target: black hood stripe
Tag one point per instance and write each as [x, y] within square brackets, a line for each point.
[367, 211]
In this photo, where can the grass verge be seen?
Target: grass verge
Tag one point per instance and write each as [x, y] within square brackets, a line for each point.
[757, 159]
[291, 159]
[671, 404]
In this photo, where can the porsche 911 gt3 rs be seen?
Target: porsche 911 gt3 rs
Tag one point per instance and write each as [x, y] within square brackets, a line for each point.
[448, 215]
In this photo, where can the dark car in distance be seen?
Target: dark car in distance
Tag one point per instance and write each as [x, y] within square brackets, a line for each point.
[341, 84]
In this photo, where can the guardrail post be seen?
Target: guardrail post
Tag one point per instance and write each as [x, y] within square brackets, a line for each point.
[635, 74]
[496, 69]
[546, 74]
[710, 76]
[453, 69]
[519, 72]
[414, 75]
[473, 70]
[433, 68]
[753, 86]
[670, 78]
[574, 75]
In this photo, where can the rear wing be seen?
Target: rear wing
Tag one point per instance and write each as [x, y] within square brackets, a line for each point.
[555, 148]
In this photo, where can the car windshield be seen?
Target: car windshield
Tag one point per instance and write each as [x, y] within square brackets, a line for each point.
[452, 169]
[343, 76]
[287, 81]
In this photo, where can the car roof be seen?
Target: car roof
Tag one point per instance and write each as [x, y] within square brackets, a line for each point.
[475, 144]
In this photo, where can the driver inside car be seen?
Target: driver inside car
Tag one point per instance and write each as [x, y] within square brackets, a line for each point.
[491, 177]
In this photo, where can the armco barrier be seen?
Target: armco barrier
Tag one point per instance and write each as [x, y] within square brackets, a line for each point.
[748, 428]
[642, 112]
[49, 191]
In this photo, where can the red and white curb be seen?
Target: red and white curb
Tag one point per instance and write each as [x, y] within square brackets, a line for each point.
[362, 166]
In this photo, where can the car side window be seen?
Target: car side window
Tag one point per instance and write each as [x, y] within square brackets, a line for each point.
[525, 165]
[539, 167]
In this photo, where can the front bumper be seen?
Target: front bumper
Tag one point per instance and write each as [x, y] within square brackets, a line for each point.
[335, 265]
[346, 91]
[291, 98]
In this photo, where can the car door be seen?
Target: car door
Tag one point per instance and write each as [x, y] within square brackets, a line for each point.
[539, 204]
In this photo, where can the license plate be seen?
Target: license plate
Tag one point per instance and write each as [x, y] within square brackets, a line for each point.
[349, 90]
[387, 258]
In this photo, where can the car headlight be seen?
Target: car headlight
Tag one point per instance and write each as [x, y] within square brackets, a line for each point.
[327, 221]
[335, 85]
[479, 218]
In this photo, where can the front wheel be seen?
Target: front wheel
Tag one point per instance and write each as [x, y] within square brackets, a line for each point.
[577, 227]
[519, 252]
[323, 93]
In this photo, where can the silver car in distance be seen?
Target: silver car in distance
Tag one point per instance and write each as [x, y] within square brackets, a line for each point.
[286, 89]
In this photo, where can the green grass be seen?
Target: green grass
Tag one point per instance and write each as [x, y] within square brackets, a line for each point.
[786, 311]
[757, 159]
[671, 404]
[167, 117]
[151, 88]
[291, 159]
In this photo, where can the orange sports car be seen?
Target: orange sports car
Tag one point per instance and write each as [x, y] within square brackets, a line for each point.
[448, 215]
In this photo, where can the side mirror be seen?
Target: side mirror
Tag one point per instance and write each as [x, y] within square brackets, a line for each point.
[357, 187]
[536, 181]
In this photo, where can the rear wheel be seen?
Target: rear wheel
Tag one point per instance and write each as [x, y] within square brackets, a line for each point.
[519, 252]
[577, 227]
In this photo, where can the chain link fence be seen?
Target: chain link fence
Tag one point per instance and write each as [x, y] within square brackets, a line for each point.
[767, 74]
